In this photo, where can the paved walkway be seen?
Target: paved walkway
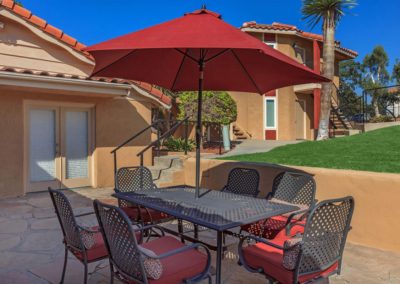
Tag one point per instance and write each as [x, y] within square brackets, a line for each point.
[253, 146]
[31, 249]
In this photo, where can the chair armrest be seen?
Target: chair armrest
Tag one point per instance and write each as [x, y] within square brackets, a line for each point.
[87, 229]
[259, 240]
[83, 214]
[150, 227]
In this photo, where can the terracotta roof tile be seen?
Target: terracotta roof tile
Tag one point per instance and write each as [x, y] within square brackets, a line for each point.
[150, 89]
[285, 27]
[68, 39]
[38, 21]
[51, 30]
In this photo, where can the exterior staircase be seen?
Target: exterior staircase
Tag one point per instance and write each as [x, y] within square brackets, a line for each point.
[239, 133]
[339, 125]
[164, 168]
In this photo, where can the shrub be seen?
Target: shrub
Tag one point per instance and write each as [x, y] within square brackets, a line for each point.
[178, 144]
[218, 107]
[382, 118]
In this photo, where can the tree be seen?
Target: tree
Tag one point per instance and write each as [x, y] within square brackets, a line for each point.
[350, 78]
[375, 75]
[218, 107]
[396, 72]
[329, 12]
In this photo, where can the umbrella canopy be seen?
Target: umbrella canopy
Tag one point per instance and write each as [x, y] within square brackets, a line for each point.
[195, 52]
[233, 60]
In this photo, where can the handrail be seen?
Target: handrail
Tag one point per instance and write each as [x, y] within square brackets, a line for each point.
[166, 134]
[134, 136]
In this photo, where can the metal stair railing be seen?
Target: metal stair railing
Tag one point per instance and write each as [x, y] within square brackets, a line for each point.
[166, 135]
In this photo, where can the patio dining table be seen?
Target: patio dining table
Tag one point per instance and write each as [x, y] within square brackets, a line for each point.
[216, 210]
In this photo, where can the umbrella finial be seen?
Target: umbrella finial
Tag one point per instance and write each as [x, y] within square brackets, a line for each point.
[203, 7]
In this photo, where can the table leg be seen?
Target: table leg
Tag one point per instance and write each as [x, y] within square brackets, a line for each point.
[219, 258]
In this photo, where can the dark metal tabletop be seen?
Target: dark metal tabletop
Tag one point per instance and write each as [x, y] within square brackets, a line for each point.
[214, 209]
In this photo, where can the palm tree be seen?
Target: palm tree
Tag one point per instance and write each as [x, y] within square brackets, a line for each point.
[329, 12]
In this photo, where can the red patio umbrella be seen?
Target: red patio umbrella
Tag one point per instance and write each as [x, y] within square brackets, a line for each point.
[199, 52]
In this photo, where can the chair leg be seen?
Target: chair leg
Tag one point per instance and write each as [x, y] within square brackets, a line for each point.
[180, 230]
[65, 265]
[86, 272]
[111, 274]
[196, 231]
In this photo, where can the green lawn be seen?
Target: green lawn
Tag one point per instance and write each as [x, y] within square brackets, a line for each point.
[377, 151]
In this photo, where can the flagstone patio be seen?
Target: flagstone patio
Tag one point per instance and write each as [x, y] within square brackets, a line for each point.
[31, 250]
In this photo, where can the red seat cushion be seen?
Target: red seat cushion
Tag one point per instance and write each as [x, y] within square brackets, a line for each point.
[272, 226]
[98, 250]
[146, 214]
[178, 267]
[270, 259]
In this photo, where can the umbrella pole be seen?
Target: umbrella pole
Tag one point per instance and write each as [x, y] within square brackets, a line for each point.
[198, 126]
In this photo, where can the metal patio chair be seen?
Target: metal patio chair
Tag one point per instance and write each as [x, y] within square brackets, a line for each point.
[313, 254]
[288, 187]
[85, 243]
[243, 181]
[131, 179]
[162, 260]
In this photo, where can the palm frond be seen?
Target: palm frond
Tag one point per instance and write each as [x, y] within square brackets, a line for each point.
[329, 11]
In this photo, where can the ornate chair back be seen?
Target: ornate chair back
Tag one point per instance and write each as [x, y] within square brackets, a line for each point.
[325, 235]
[243, 181]
[121, 241]
[130, 179]
[297, 188]
[67, 219]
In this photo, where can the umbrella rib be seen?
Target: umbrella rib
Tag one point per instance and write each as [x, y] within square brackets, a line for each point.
[187, 55]
[112, 63]
[246, 72]
[216, 55]
[179, 70]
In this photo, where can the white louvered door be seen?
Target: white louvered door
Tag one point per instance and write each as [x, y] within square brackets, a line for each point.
[44, 167]
[75, 150]
[58, 147]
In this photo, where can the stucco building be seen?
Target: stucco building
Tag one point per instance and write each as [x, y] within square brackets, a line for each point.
[58, 126]
[288, 113]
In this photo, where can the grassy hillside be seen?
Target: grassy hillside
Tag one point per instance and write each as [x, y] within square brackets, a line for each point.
[377, 151]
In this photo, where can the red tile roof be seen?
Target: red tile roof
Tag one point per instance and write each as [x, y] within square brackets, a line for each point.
[285, 27]
[148, 88]
[43, 25]
[72, 42]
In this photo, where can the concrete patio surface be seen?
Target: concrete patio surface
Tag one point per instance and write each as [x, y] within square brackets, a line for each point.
[31, 250]
[251, 146]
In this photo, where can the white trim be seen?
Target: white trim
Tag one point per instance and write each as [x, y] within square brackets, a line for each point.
[306, 87]
[65, 84]
[304, 117]
[274, 44]
[265, 113]
[76, 85]
[6, 13]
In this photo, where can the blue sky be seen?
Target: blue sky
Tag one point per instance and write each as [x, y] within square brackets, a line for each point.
[91, 21]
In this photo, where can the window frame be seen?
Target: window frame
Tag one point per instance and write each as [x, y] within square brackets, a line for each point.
[266, 127]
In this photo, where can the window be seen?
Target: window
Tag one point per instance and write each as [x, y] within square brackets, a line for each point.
[300, 54]
[269, 39]
[270, 113]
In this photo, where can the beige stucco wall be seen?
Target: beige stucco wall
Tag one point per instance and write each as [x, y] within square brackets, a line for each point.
[376, 218]
[250, 113]
[22, 48]
[116, 120]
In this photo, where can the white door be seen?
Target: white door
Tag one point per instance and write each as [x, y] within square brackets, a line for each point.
[44, 167]
[58, 148]
[75, 150]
